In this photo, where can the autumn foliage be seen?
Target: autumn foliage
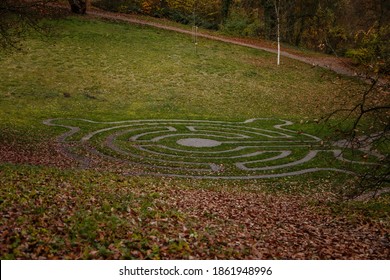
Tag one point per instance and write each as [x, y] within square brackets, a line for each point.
[327, 26]
[48, 214]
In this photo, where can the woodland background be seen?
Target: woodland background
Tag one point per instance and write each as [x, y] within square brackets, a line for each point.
[357, 29]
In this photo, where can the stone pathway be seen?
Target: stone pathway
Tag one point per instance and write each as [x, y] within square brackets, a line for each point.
[254, 149]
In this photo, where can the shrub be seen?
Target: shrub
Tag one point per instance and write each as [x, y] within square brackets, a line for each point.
[239, 23]
[372, 49]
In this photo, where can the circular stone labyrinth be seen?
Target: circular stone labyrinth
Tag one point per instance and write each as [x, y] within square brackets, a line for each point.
[253, 149]
[198, 142]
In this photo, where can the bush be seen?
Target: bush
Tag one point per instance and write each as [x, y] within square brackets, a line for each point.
[372, 50]
[177, 10]
[239, 23]
[122, 6]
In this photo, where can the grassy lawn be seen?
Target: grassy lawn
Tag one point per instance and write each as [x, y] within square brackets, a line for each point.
[110, 72]
[150, 73]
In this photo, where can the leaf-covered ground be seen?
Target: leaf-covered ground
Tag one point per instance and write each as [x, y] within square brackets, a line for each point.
[52, 214]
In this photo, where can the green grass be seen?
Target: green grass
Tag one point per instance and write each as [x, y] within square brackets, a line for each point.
[111, 72]
[120, 71]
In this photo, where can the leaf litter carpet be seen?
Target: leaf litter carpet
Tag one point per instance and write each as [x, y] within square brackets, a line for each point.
[179, 222]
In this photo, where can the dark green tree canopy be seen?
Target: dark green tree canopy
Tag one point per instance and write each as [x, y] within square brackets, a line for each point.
[78, 6]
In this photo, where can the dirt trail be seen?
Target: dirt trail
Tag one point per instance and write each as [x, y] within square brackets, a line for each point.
[338, 65]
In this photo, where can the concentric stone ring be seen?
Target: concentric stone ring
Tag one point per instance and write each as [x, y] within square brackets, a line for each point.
[253, 149]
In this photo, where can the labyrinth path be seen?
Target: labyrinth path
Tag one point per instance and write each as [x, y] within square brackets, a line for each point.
[253, 149]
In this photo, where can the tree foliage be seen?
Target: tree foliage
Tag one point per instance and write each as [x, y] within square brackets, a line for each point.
[15, 17]
[199, 12]
[78, 6]
[19, 16]
[330, 26]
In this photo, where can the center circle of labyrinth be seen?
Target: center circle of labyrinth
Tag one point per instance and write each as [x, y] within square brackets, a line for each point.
[198, 143]
[253, 149]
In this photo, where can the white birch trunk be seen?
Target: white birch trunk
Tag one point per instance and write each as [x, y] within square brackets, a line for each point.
[277, 10]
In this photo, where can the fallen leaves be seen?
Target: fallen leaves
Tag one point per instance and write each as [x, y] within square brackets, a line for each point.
[53, 214]
[41, 153]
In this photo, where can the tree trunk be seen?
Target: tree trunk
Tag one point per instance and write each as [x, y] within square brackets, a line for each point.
[78, 6]
[277, 11]
[225, 9]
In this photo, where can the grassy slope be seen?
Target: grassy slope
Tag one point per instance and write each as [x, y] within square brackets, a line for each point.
[118, 71]
[102, 71]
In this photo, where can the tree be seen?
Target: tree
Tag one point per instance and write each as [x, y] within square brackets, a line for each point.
[78, 6]
[368, 111]
[225, 8]
[16, 16]
[277, 12]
